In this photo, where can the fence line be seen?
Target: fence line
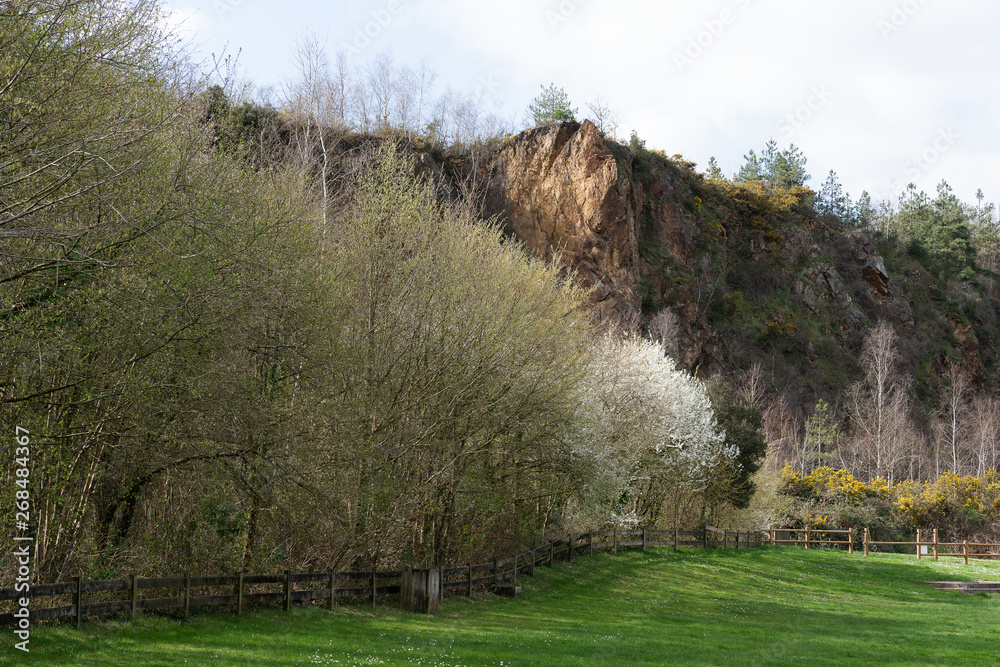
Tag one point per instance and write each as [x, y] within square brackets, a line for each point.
[326, 586]
[934, 548]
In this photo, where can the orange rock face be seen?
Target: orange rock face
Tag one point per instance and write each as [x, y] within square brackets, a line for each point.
[561, 192]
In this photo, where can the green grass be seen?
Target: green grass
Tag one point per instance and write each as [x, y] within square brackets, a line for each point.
[769, 606]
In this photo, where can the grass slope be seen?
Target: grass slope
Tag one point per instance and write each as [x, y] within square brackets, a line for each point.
[770, 606]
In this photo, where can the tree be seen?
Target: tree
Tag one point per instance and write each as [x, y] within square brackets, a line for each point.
[878, 406]
[821, 436]
[954, 398]
[551, 106]
[752, 169]
[937, 229]
[456, 359]
[714, 171]
[833, 201]
[665, 415]
[784, 169]
[605, 118]
[742, 425]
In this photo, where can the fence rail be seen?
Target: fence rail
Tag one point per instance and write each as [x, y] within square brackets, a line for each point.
[241, 589]
[931, 548]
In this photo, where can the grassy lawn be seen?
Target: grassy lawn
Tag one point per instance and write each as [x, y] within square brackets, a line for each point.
[769, 606]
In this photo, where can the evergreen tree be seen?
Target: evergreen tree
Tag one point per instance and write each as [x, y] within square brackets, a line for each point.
[551, 106]
[833, 201]
[714, 171]
[752, 169]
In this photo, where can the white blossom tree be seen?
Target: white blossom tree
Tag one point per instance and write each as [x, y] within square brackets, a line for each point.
[643, 427]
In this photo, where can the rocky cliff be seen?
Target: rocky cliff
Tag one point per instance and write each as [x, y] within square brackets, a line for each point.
[750, 275]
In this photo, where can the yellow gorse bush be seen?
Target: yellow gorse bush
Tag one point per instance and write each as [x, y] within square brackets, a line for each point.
[920, 504]
[827, 483]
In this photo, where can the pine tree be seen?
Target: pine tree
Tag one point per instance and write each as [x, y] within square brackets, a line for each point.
[551, 106]
[752, 169]
[714, 171]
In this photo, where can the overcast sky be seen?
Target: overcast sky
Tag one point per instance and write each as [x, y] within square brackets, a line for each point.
[884, 92]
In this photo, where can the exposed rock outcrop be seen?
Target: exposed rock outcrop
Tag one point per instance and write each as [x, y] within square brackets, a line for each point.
[561, 192]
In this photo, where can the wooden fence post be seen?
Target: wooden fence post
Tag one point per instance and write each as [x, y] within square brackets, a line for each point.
[866, 542]
[676, 536]
[935, 544]
[469, 594]
[615, 537]
[333, 590]
[643, 539]
[187, 595]
[288, 590]
[705, 537]
[965, 551]
[135, 596]
[590, 541]
[79, 603]
[807, 538]
[569, 548]
[552, 552]
[850, 540]
[918, 544]
[496, 570]
[239, 596]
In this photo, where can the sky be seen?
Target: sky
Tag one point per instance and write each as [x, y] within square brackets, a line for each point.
[885, 93]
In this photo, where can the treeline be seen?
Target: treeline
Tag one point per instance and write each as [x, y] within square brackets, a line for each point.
[239, 345]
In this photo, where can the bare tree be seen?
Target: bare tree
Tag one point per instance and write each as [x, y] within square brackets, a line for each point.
[985, 419]
[954, 393]
[878, 405]
[605, 118]
[665, 327]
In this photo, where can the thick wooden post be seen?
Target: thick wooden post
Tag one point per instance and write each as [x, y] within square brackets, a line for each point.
[965, 551]
[807, 538]
[935, 544]
[469, 593]
[866, 542]
[374, 585]
[496, 571]
[590, 541]
[534, 555]
[288, 590]
[420, 590]
[135, 596]
[676, 540]
[333, 590]
[239, 596]
[78, 601]
[705, 537]
[643, 539]
[850, 540]
[918, 544]
[187, 595]
[615, 538]
[725, 539]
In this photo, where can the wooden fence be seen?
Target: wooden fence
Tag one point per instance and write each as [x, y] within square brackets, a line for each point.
[242, 590]
[923, 547]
